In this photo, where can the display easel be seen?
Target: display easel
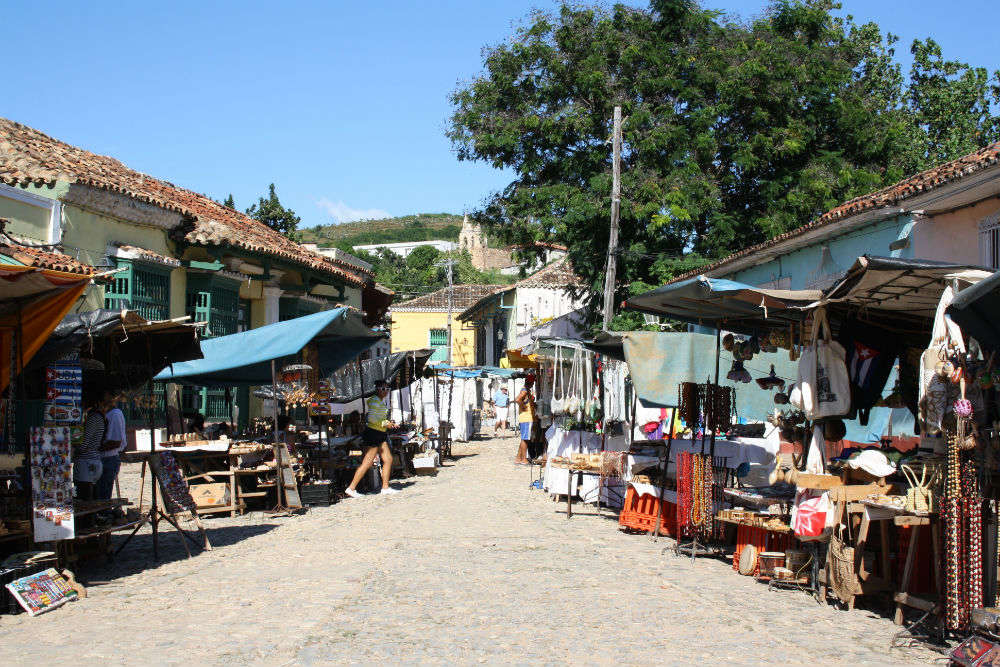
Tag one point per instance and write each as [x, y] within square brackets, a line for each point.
[155, 514]
[694, 548]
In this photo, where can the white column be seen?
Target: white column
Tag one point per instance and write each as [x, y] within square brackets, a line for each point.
[271, 303]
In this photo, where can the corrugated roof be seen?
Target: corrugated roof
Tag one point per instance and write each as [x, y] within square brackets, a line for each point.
[29, 156]
[463, 296]
[889, 196]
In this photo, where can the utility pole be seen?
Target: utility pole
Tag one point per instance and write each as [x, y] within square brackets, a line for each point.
[449, 264]
[616, 202]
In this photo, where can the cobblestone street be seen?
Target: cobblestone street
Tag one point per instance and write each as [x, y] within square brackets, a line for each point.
[470, 566]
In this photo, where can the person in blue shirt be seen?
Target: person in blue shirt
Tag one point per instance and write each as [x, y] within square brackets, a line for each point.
[500, 401]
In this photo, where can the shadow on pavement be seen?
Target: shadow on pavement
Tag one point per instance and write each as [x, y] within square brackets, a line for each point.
[137, 555]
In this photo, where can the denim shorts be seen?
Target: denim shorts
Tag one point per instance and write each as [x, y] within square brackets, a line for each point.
[525, 430]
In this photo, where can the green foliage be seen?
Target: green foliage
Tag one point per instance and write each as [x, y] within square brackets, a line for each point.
[733, 132]
[274, 215]
[419, 227]
[230, 203]
[422, 258]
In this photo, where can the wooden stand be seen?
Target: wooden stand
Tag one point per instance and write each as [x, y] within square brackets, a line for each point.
[155, 514]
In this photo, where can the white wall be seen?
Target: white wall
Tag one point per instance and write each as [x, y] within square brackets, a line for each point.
[404, 249]
[533, 305]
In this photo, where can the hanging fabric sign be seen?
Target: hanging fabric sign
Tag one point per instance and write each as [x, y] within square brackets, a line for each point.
[52, 483]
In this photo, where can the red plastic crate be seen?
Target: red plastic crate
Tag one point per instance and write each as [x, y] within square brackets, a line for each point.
[761, 538]
[639, 513]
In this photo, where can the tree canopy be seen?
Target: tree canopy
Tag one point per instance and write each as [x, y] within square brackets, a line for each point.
[274, 215]
[734, 132]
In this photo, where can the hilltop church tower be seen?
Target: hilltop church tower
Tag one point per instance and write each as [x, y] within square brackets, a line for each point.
[471, 237]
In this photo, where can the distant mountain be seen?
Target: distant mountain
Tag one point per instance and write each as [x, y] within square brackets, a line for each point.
[418, 227]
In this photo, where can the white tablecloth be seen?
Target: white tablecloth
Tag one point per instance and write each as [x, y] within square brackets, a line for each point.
[558, 480]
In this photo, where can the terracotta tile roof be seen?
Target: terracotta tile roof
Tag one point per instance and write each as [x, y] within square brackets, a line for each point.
[43, 259]
[463, 296]
[146, 254]
[558, 274]
[890, 196]
[29, 156]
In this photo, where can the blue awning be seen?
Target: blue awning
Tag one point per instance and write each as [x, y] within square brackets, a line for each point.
[714, 301]
[466, 372]
[245, 358]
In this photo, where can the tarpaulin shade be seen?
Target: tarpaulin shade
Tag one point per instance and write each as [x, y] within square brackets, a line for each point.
[571, 325]
[131, 348]
[466, 372]
[515, 359]
[659, 362]
[711, 301]
[610, 345]
[976, 310]
[902, 288]
[33, 301]
[245, 358]
[347, 385]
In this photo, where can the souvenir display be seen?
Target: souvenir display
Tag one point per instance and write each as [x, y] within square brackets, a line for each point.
[42, 592]
[52, 483]
[176, 494]
[64, 392]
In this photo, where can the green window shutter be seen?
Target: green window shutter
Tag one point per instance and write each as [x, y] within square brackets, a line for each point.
[144, 288]
[438, 341]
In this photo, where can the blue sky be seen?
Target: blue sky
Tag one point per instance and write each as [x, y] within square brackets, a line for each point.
[342, 105]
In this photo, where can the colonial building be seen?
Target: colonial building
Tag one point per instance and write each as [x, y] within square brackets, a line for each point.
[178, 252]
[505, 315]
[948, 213]
[423, 323]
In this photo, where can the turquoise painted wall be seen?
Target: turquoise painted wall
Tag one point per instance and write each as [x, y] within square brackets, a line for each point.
[801, 268]
[801, 265]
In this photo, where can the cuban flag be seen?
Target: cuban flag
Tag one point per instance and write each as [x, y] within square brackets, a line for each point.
[862, 363]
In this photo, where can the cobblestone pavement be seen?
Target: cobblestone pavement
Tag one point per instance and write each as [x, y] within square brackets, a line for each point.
[469, 566]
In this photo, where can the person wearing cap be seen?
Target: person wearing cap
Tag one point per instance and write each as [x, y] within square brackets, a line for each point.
[375, 441]
[500, 401]
[525, 418]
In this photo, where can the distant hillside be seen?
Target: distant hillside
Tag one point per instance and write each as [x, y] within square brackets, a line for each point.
[419, 227]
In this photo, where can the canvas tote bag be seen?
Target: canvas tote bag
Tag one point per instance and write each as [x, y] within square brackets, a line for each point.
[826, 386]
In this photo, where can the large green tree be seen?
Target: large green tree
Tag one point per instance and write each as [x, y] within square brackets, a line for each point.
[270, 212]
[733, 133]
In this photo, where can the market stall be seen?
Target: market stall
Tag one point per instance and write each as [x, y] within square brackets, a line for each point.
[285, 358]
[32, 303]
[867, 514]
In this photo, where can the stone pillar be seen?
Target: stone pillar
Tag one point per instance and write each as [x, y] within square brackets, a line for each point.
[272, 297]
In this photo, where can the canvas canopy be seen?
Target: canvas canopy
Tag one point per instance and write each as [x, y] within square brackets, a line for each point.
[659, 361]
[245, 358]
[711, 301]
[346, 385]
[32, 301]
[131, 348]
[900, 288]
[975, 309]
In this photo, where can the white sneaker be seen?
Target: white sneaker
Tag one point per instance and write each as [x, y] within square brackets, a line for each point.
[388, 491]
[352, 493]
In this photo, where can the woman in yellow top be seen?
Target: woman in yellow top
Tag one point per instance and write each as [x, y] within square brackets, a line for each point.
[375, 441]
[525, 418]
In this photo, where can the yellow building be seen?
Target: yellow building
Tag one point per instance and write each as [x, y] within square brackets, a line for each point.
[423, 323]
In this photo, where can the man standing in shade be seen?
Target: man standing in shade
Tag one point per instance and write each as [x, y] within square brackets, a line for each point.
[500, 402]
[114, 444]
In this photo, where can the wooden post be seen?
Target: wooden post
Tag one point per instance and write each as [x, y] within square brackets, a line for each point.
[279, 484]
[616, 198]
